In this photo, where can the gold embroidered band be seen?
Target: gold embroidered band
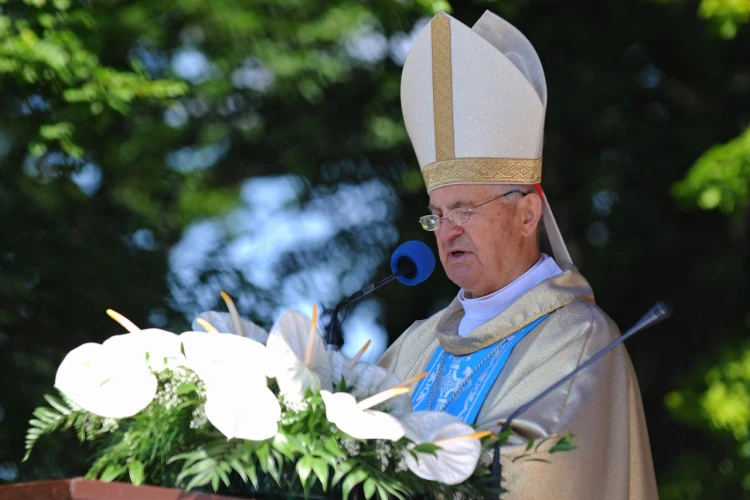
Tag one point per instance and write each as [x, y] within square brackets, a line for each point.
[442, 88]
[482, 171]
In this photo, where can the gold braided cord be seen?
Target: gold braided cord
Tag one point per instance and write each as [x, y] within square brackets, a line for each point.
[482, 171]
[442, 87]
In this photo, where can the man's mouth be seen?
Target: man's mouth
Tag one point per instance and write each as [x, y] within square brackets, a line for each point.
[457, 253]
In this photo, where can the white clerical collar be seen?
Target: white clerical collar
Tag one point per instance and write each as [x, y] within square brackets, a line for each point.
[482, 309]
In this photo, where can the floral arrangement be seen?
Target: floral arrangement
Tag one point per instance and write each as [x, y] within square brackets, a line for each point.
[257, 412]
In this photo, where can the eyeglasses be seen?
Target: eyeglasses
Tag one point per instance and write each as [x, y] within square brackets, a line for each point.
[457, 216]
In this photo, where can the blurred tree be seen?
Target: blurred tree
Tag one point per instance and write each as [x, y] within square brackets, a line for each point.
[128, 128]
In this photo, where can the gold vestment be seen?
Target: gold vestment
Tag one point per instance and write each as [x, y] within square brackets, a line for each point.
[601, 405]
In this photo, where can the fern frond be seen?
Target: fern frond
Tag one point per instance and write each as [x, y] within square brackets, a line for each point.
[48, 420]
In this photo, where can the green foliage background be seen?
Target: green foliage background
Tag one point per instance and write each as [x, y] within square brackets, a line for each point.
[647, 165]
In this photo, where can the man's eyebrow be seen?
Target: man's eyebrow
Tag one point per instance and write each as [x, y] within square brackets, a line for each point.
[451, 206]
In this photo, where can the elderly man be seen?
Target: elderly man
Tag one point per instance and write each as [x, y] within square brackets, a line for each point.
[474, 102]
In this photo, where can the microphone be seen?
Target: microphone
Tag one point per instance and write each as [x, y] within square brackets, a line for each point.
[412, 263]
[656, 314]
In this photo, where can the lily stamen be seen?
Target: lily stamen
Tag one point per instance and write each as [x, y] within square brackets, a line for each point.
[359, 354]
[206, 325]
[123, 321]
[409, 381]
[381, 396]
[311, 338]
[238, 329]
[475, 435]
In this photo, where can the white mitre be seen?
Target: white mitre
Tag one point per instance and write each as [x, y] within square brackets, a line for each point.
[474, 102]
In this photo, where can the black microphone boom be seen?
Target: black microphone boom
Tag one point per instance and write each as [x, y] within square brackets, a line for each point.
[412, 263]
[406, 268]
[656, 314]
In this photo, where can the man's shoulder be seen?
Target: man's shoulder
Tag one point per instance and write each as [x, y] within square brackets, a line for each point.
[422, 327]
[584, 317]
[419, 335]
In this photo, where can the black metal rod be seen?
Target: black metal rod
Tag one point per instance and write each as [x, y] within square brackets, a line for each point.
[332, 337]
[658, 313]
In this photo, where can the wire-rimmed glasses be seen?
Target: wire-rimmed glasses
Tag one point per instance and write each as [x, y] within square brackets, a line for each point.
[458, 216]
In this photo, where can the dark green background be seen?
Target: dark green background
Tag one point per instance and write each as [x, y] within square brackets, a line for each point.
[646, 167]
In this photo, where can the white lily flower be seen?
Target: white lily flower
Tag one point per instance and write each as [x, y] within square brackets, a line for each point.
[223, 323]
[372, 379]
[160, 348]
[101, 382]
[230, 322]
[253, 414]
[459, 444]
[339, 367]
[299, 355]
[357, 420]
[212, 356]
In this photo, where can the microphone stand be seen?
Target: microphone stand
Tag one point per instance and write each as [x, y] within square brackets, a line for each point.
[658, 313]
[332, 338]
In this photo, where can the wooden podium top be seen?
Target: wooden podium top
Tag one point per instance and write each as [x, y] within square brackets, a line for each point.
[78, 488]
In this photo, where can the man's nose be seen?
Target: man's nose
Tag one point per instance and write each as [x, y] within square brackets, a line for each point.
[448, 231]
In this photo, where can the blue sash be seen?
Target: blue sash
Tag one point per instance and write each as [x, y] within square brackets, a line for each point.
[463, 382]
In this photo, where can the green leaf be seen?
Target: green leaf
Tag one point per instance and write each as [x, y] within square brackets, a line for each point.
[57, 405]
[429, 448]
[342, 469]
[352, 479]
[304, 467]
[332, 445]
[530, 444]
[282, 444]
[369, 487]
[382, 492]
[320, 467]
[564, 444]
[253, 475]
[187, 388]
[238, 468]
[136, 471]
[264, 456]
[112, 472]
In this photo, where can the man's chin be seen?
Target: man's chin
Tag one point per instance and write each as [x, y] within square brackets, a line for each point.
[462, 277]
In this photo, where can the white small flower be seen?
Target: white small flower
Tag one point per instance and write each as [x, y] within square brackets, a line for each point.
[383, 453]
[357, 420]
[199, 417]
[459, 444]
[252, 413]
[99, 381]
[299, 355]
[351, 446]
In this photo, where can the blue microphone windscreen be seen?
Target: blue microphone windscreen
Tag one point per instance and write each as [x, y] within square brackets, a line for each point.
[420, 256]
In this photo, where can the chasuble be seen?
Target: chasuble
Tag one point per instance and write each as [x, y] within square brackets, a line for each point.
[601, 405]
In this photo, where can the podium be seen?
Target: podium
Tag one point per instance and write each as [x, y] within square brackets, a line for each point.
[78, 488]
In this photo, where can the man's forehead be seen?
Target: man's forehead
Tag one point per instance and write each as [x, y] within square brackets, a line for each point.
[460, 195]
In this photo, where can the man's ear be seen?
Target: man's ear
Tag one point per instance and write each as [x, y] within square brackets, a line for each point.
[531, 210]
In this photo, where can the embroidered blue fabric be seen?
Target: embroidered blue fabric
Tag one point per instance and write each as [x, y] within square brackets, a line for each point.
[483, 367]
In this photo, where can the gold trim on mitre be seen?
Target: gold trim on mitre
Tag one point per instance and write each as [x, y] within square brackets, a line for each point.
[482, 171]
[442, 88]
